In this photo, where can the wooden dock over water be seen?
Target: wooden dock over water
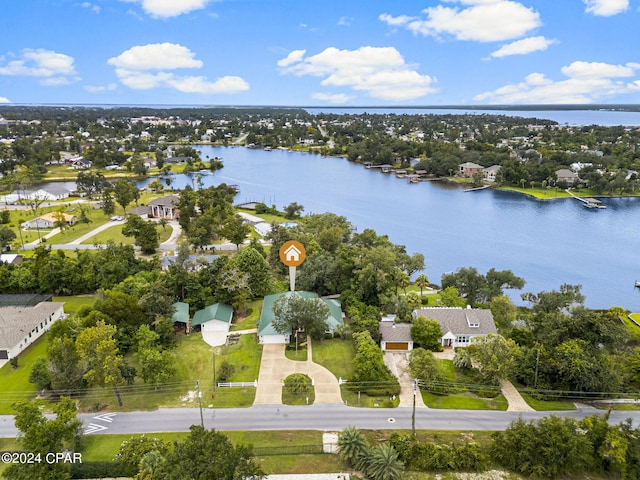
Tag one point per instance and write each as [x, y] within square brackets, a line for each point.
[587, 201]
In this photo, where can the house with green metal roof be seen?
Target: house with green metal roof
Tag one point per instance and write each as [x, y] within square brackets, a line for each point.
[214, 318]
[180, 313]
[268, 334]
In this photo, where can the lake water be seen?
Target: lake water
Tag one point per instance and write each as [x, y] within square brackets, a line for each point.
[548, 243]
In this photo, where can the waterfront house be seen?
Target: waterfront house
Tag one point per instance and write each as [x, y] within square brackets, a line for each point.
[460, 326]
[467, 169]
[567, 176]
[491, 172]
[165, 207]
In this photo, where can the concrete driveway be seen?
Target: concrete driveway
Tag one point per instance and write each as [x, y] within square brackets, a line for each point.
[275, 367]
[215, 339]
[398, 363]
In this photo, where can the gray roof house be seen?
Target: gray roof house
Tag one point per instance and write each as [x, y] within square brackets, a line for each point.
[20, 326]
[566, 175]
[395, 337]
[460, 326]
[165, 207]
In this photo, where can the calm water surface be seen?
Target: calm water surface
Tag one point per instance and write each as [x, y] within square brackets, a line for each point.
[546, 242]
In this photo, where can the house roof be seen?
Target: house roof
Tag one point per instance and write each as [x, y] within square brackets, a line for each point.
[17, 321]
[395, 332]
[167, 200]
[265, 325]
[564, 172]
[470, 165]
[459, 321]
[181, 313]
[53, 217]
[219, 311]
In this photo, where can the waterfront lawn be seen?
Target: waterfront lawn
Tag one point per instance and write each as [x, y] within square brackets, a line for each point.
[14, 382]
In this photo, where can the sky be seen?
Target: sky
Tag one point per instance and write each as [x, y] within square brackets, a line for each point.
[328, 53]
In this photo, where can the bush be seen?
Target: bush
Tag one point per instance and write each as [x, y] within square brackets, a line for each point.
[13, 361]
[102, 470]
[225, 371]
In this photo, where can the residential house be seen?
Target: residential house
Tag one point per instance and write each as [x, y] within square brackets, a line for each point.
[81, 163]
[165, 207]
[12, 258]
[22, 325]
[491, 172]
[268, 334]
[395, 337]
[460, 326]
[567, 176]
[467, 169]
[213, 318]
[49, 193]
[49, 220]
[193, 263]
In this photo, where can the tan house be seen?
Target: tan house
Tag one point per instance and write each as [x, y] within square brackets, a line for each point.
[467, 169]
[49, 220]
[567, 176]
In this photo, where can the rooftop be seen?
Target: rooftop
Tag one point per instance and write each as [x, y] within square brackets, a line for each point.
[18, 321]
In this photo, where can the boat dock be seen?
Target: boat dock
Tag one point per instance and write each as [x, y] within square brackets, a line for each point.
[477, 188]
[588, 201]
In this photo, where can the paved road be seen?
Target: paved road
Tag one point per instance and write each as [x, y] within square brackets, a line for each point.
[312, 417]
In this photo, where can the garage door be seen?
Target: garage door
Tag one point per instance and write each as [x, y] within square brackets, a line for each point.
[397, 346]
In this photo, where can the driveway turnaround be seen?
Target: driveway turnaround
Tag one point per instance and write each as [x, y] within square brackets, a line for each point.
[275, 367]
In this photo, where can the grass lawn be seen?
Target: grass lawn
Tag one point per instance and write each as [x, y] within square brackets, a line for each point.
[97, 218]
[115, 233]
[250, 320]
[335, 355]
[193, 362]
[298, 356]
[633, 330]
[464, 401]
[299, 398]
[74, 303]
[548, 405]
[14, 383]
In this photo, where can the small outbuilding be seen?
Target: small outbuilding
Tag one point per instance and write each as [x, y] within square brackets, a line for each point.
[396, 337]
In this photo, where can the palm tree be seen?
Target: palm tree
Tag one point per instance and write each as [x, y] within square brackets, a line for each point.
[384, 463]
[414, 300]
[403, 281]
[352, 444]
[422, 281]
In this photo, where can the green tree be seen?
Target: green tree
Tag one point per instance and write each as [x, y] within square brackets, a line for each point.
[427, 333]
[450, 297]
[351, 444]
[384, 463]
[496, 357]
[422, 281]
[504, 312]
[249, 261]
[424, 366]
[107, 202]
[98, 350]
[235, 230]
[293, 210]
[208, 454]
[145, 233]
[64, 363]
[369, 368]
[156, 366]
[6, 237]
[134, 449]
[124, 194]
[40, 375]
[42, 436]
[293, 312]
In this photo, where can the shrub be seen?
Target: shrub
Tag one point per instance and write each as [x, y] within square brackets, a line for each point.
[225, 371]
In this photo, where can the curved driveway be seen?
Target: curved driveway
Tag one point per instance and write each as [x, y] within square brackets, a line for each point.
[275, 367]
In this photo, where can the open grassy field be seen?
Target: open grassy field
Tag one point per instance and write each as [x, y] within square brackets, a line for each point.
[115, 233]
[335, 355]
[74, 303]
[251, 318]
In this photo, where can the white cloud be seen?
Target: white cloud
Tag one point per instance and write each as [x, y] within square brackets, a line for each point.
[100, 88]
[337, 98]
[482, 21]
[586, 83]
[523, 47]
[145, 67]
[606, 8]
[4, 100]
[88, 5]
[294, 57]
[380, 72]
[345, 21]
[170, 8]
[156, 56]
[52, 67]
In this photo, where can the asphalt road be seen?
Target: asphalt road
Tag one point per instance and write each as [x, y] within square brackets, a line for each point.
[314, 417]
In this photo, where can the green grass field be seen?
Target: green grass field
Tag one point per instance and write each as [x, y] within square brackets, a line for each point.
[251, 318]
[14, 382]
[464, 401]
[74, 303]
[335, 355]
[548, 405]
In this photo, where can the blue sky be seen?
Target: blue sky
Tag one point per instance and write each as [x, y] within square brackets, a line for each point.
[298, 52]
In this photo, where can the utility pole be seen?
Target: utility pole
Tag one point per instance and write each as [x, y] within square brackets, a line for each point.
[413, 414]
[200, 402]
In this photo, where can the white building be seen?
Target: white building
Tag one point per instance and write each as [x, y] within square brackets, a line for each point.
[20, 326]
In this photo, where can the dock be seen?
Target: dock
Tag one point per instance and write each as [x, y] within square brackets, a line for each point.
[587, 201]
[477, 188]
